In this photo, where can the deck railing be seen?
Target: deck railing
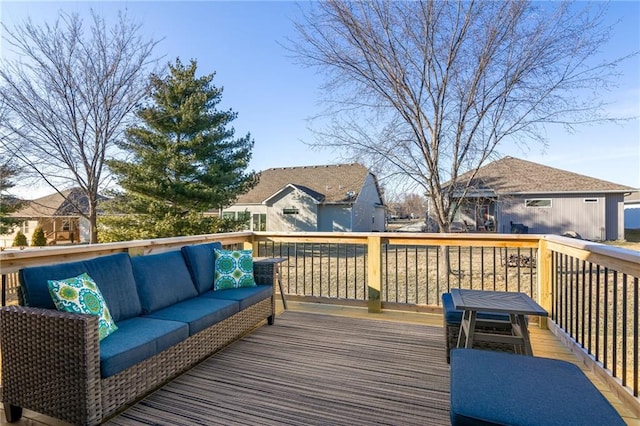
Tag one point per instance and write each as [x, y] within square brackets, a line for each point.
[590, 290]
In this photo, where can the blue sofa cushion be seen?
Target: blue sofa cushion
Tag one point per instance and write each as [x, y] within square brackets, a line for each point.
[199, 312]
[137, 339]
[246, 296]
[33, 281]
[490, 388]
[163, 279]
[454, 316]
[201, 263]
[113, 276]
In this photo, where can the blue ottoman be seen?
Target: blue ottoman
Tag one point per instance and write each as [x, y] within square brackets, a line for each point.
[453, 318]
[496, 388]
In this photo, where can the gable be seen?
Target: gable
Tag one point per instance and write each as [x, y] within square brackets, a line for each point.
[339, 183]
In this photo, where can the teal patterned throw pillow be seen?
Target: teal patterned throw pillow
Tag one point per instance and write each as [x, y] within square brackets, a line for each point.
[81, 295]
[234, 269]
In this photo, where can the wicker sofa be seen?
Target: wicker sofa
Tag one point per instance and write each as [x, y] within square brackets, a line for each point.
[168, 317]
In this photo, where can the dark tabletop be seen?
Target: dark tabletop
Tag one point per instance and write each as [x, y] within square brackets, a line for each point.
[496, 301]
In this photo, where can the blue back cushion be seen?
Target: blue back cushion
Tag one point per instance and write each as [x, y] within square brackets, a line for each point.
[163, 279]
[201, 263]
[114, 277]
[112, 274]
[33, 281]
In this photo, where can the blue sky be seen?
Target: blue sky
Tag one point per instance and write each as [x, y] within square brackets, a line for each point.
[274, 97]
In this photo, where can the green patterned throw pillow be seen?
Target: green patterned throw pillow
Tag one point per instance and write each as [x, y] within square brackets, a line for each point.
[81, 295]
[234, 269]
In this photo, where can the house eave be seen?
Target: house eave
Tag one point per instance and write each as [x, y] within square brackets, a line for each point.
[576, 192]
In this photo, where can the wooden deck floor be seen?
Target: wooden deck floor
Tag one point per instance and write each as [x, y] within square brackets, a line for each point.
[322, 364]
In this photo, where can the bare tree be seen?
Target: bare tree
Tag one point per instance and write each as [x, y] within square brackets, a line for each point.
[70, 91]
[431, 88]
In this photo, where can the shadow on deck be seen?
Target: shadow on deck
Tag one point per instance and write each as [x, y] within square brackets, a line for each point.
[322, 364]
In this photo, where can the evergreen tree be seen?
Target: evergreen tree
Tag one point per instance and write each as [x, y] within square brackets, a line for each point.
[184, 160]
[38, 239]
[8, 204]
[20, 240]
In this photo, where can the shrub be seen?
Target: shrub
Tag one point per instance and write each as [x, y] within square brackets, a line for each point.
[20, 240]
[38, 239]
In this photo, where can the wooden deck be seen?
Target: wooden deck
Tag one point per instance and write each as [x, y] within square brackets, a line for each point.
[322, 364]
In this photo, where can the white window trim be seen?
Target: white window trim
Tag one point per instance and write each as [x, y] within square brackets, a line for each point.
[526, 203]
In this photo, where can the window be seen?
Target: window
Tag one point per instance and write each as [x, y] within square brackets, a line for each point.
[66, 225]
[590, 200]
[291, 210]
[229, 215]
[259, 222]
[538, 202]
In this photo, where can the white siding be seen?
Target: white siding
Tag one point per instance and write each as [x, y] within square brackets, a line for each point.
[306, 220]
[366, 214]
[334, 218]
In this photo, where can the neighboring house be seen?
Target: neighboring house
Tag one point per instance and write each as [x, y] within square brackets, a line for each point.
[342, 197]
[60, 221]
[632, 211]
[518, 196]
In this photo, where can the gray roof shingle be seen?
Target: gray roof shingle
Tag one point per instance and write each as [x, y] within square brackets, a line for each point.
[511, 175]
[326, 184]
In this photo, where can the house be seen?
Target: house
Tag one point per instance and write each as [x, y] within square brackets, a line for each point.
[341, 197]
[632, 211]
[511, 195]
[59, 219]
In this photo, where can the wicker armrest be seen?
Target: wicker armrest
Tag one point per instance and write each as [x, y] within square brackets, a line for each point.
[264, 272]
[51, 362]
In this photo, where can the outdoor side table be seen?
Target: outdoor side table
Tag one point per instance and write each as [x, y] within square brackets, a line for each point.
[517, 305]
[276, 261]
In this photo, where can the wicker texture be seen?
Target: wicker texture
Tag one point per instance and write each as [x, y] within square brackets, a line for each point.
[452, 330]
[264, 272]
[51, 361]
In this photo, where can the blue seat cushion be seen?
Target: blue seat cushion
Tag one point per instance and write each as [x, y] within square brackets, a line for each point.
[198, 312]
[163, 280]
[137, 339]
[246, 296]
[201, 263]
[497, 388]
[454, 316]
[112, 274]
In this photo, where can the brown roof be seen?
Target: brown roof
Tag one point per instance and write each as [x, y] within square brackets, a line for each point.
[513, 176]
[327, 184]
[54, 205]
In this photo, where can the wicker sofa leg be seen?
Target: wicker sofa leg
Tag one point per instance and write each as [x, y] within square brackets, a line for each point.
[12, 413]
